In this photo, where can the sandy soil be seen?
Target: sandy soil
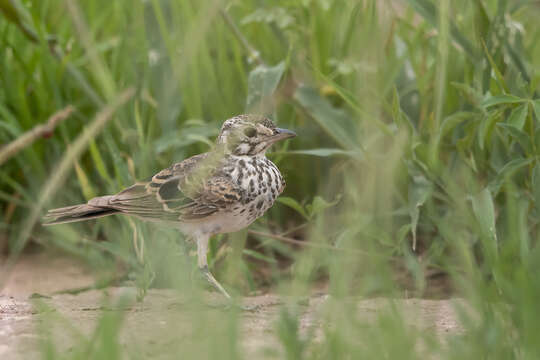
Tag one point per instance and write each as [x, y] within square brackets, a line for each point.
[150, 321]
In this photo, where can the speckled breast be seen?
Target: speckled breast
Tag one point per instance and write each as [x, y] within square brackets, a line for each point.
[262, 183]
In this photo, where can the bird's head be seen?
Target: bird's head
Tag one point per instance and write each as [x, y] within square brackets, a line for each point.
[250, 135]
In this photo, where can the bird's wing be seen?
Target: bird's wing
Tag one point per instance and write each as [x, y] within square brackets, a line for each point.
[189, 190]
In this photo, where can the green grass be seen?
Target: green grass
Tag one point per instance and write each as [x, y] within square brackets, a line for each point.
[418, 149]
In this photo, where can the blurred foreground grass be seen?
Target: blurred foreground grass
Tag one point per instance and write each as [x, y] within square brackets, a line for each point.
[417, 155]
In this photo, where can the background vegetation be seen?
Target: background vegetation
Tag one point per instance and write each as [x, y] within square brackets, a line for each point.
[417, 155]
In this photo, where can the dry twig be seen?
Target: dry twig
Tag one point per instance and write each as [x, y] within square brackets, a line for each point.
[32, 135]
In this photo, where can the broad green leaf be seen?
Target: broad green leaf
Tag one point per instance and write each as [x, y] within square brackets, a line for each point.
[484, 211]
[501, 99]
[536, 107]
[450, 122]
[262, 82]
[482, 22]
[336, 122]
[494, 68]
[419, 191]
[486, 126]
[516, 58]
[292, 203]
[470, 92]
[319, 204]
[506, 172]
[535, 185]
[518, 116]
[516, 134]
[537, 140]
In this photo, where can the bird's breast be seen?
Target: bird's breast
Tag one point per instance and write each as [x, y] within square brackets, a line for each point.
[262, 184]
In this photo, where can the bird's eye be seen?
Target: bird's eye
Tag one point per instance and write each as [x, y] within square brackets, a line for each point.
[250, 132]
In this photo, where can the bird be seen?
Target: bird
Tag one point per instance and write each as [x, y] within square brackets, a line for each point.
[221, 191]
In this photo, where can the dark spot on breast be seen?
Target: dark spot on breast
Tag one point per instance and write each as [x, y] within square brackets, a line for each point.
[242, 163]
[230, 196]
[168, 190]
[259, 204]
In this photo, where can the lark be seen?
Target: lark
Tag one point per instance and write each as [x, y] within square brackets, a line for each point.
[221, 191]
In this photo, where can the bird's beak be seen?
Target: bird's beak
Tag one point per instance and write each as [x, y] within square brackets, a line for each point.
[283, 134]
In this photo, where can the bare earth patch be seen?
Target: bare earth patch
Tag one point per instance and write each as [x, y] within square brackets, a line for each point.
[155, 324]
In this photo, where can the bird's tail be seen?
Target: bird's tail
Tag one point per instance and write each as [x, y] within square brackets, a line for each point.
[97, 207]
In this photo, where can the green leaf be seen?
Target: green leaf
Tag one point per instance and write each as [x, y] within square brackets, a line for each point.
[482, 22]
[262, 82]
[521, 137]
[473, 94]
[259, 256]
[328, 152]
[518, 116]
[516, 58]
[536, 107]
[484, 211]
[506, 172]
[486, 125]
[277, 15]
[15, 12]
[494, 68]
[185, 137]
[98, 162]
[501, 99]
[535, 185]
[319, 204]
[84, 183]
[429, 12]
[450, 122]
[537, 140]
[292, 203]
[419, 191]
[336, 122]
[400, 118]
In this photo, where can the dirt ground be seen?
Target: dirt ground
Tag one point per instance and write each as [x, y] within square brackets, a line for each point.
[149, 320]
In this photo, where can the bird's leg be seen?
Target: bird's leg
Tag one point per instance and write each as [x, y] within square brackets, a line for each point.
[202, 249]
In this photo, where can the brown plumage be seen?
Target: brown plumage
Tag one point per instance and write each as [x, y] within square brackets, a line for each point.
[220, 191]
[185, 191]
